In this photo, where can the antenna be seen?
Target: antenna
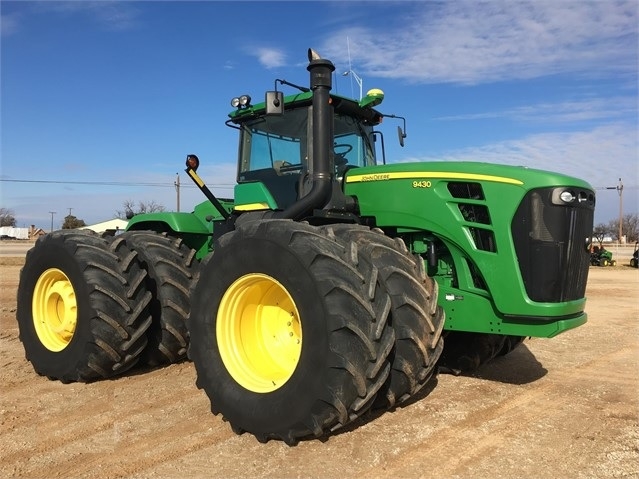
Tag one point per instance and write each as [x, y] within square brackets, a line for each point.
[350, 71]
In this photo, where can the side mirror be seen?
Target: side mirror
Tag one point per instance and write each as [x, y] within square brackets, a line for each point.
[274, 103]
[401, 135]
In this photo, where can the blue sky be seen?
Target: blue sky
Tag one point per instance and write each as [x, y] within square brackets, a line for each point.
[120, 92]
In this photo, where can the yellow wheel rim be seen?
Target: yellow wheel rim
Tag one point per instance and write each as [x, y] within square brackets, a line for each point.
[259, 333]
[55, 310]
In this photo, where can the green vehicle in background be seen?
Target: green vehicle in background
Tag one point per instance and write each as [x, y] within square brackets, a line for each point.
[600, 256]
[332, 283]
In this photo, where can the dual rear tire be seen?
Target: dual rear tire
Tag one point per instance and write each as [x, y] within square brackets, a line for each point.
[83, 308]
[92, 307]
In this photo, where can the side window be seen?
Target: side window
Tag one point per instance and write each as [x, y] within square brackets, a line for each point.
[353, 143]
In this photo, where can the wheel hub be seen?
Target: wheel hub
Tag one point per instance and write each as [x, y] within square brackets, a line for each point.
[259, 333]
[55, 310]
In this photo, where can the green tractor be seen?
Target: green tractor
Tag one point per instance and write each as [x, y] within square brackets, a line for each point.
[329, 285]
[600, 256]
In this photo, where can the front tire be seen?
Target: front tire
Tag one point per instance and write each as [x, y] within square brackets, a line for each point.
[415, 316]
[289, 335]
[82, 307]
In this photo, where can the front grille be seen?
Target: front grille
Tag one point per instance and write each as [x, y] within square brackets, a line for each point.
[551, 239]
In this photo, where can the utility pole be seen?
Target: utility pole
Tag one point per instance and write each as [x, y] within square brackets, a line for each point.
[619, 189]
[69, 211]
[176, 183]
[52, 213]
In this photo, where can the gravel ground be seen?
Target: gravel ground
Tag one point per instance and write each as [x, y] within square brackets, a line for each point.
[562, 407]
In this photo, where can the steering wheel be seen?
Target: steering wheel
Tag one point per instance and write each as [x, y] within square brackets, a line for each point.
[340, 156]
[342, 146]
[284, 167]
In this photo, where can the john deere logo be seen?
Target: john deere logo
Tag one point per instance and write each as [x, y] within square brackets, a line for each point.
[384, 176]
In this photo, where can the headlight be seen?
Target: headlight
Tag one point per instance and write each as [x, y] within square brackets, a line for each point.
[567, 196]
[572, 196]
[243, 101]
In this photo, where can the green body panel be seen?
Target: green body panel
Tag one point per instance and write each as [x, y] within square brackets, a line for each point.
[253, 196]
[193, 228]
[476, 313]
[414, 199]
[606, 254]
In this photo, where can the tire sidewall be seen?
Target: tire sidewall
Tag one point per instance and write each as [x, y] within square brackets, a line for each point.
[294, 400]
[54, 253]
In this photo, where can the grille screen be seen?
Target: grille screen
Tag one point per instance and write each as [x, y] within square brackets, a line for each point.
[471, 191]
[475, 213]
[550, 241]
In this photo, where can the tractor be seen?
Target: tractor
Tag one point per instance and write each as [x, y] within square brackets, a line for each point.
[332, 284]
[600, 256]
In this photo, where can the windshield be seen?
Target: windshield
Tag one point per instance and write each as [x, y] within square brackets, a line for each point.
[284, 143]
[272, 141]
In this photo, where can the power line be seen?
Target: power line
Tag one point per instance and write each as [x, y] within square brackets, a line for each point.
[625, 187]
[112, 183]
[103, 183]
[182, 185]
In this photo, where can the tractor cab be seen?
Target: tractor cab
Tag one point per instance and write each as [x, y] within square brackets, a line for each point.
[275, 157]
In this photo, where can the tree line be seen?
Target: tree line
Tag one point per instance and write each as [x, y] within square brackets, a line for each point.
[629, 226]
[130, 209]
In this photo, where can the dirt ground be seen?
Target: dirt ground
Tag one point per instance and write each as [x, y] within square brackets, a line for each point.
[562, 407]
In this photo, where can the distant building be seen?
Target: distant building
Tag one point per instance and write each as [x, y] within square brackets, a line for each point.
[35, 233]
[111, 226]
[9, 232]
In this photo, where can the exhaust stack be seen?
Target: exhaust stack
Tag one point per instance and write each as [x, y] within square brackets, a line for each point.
[320, 194]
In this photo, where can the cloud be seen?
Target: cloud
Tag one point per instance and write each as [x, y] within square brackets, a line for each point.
[562, 112]
[9, 24]
[472, 42]
[599, 155]
[269, 57]
[111, 15]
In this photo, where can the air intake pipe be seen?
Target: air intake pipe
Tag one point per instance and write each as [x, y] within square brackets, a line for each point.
[321, 175]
